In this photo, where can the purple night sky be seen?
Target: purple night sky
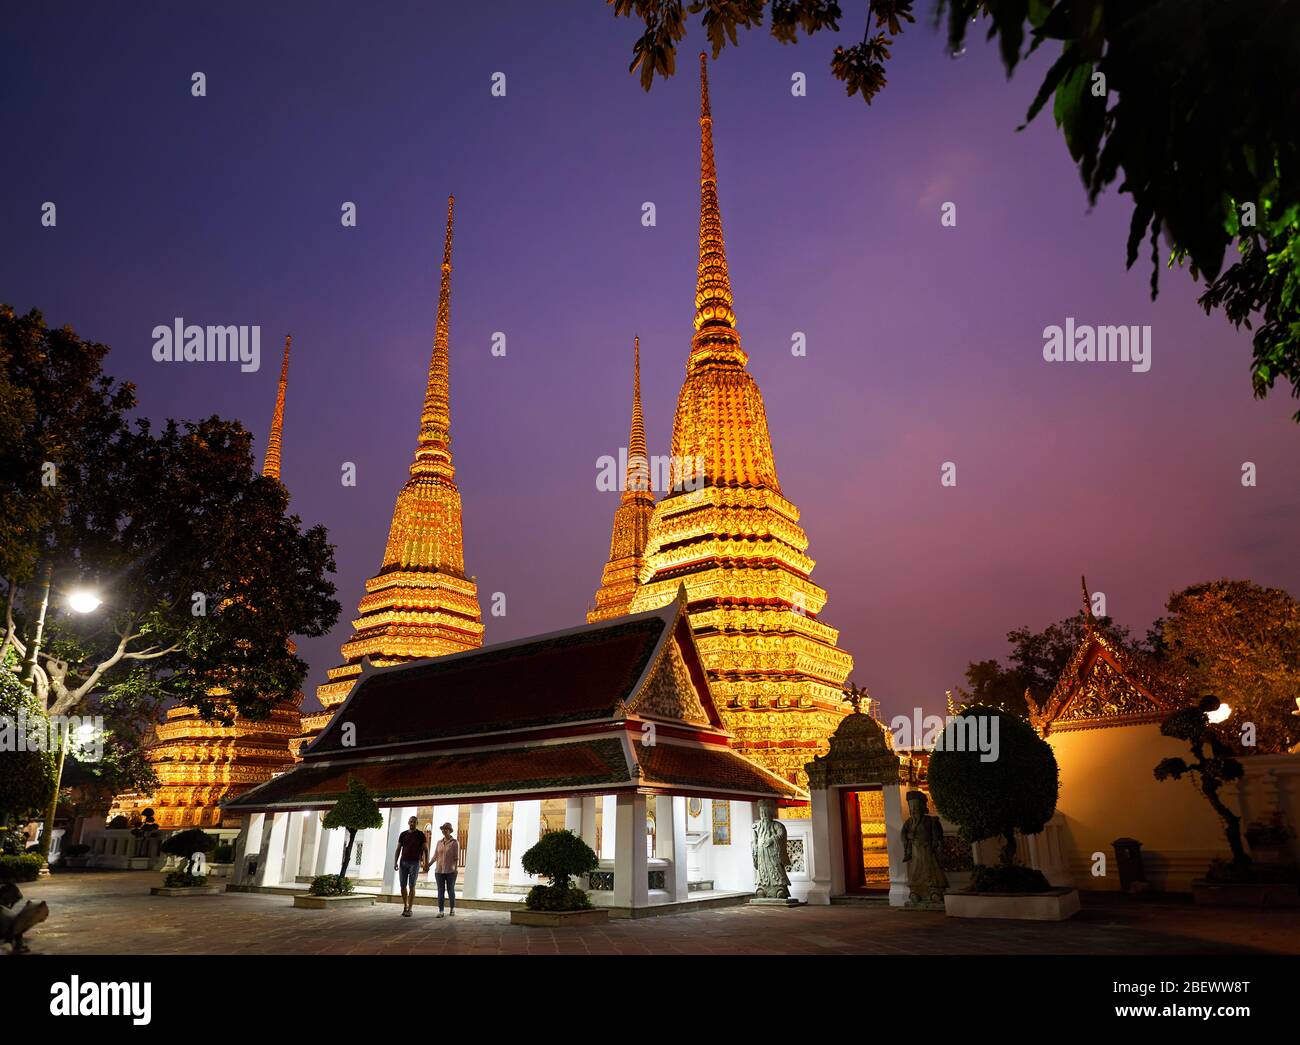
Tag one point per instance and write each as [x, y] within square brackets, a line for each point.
[924, 343]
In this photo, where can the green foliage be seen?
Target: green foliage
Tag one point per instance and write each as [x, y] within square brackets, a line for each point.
[185, 844]
[119, 823]
[1008, 878]
[25, 867]
[355, 811]
[1016, 791]
[330, 885]
[1241, 641]
[1196, 121]
[560, 856]
[557, 898]
[223, 854]
[183, 879]
[27, 777]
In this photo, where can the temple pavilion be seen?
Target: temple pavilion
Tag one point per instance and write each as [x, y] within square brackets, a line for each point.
[614, 719]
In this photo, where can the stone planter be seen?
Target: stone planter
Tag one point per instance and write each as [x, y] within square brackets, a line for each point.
[1055, 905]
[594, 916]
[1246, 894]
[322, 902]
[187, 890]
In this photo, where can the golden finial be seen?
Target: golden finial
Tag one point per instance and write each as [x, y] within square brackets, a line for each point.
[1089, 619]
[638, 459]
[858, 698]
[271, 463]
[433, 454]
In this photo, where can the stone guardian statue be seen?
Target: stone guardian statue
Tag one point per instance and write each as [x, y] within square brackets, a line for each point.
[771, 858]
[922, 851]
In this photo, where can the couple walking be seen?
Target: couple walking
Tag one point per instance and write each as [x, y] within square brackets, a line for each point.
[412, 858]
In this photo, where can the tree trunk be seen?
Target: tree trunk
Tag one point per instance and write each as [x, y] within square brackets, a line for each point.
[47, 836]
[1231, 822]
[1009, 847]
[347, 851]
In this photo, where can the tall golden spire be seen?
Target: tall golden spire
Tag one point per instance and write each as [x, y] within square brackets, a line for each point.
[715, 317]
[724, 530]
[618, 580]
[420, 603]
[271, 464]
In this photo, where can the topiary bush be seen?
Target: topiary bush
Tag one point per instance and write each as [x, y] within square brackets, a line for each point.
[223, 854]
[559, 856]
[79, 849]
[330, 885]
[22, 868]
[355, 811]
[1014, 791]
[186, 843]
[118, 823]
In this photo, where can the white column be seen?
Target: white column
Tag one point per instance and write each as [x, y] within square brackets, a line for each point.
[270, 868]
[293, 846]
[895, 801]
[524, 832]
[670, 822]
[573, 815]
[608, 818]
[630, 885]
[827, 846]
[311, 840]
[237, 875]
[589, 821]
[480, 859]
[396, 825]
[329, 851]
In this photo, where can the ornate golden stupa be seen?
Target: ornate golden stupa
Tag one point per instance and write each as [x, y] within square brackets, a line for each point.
[420, 603]
[725, 531]
[200, 762]
[631, 519]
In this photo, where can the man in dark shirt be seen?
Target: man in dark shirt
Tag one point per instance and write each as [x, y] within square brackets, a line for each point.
[412, 856]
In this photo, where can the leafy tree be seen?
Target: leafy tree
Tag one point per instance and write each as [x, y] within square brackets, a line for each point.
[1212, 767]
[1015, 791]
[185, 844]
[204, 575]
[1038, 659]
[1190, 105]
[559, 856]
[26, 777]
[1242, 641]
[355, 811]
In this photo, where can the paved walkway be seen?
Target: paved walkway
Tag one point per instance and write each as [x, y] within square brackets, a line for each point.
[113, 913]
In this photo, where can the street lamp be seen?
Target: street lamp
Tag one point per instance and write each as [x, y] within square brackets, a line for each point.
[79, 600]
[82, 600]
[1219, 714]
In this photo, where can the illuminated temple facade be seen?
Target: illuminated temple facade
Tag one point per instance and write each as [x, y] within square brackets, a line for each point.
[201, 761]
[420, 603]
[724, 530]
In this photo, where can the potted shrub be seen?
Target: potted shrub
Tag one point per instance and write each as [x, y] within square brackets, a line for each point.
[75, 855]
[1014, 791]
[189, 879]
[355, 811]
[559, 856]
[1239, 882]
[1270, 840]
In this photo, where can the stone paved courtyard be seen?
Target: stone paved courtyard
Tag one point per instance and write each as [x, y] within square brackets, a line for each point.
[113, 913]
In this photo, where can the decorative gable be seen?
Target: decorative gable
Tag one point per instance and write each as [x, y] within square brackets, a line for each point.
[669, 692]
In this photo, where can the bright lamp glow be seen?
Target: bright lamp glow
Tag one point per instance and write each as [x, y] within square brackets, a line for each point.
[82, 601]
[1219, 714]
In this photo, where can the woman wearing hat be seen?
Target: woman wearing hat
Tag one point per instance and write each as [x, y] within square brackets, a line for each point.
[446, 855]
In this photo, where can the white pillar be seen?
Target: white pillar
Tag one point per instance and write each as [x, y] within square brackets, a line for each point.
[573, 815]
[895, 801]
[827, 845]
[589, 821]
[480, 859]
[396, 825]
[241, 845]
[270, 868]
[670, 822]
[311, 839]
[293, 846]
[630, 883]
[608, 818]
[329, 851]
[525, 829]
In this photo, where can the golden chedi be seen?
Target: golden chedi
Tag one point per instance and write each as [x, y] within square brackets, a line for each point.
[420, 603]
[618, 580]
[724, 530]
